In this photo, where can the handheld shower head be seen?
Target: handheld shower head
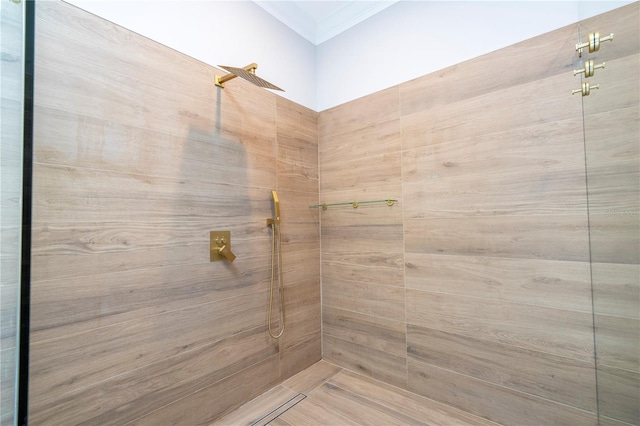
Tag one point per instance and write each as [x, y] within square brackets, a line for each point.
[276, 210]
[248, 73]
[276, 204]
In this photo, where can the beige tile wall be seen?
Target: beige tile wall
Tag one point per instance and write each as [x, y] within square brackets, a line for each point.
[475, 290]
[612, 135]
[11, 113]
[137, 157]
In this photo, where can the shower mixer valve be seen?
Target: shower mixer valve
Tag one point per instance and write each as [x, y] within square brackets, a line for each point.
[220, 246]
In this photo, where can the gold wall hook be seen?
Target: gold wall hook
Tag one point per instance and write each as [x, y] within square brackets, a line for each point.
[594, 43]
[589, 68]
[585, 89]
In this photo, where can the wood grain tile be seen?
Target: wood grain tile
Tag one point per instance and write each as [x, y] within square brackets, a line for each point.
[296, 358]
[362, 175]
[368, 331]
[360, 113]
[363, 144]
[209, 403]
[257, 408]
[604, 145]
[337, 396]
[617, 342]
[612, 130]
[364, 360]
[138, 157]
[68, 362]
[278, 421]
[398, 400]
[531, 170]
[623, 21]
[70, 194]
[615, 237]
[125, 397]
[368, 230]
[302, 325]
[511, 108]
[550, 237]
[384, 267]
[300, 225]
[616, 289]
[366, 298]
[9, 297]
[118, 247]
[68, 306]
[622, 86]
[358, 408]
[75, 139]
[509, 69]
[312, 413]
[565, 380]
[7, 381]
[520, 325]
[12, 46]
[619, 393]
[312, 377]
[527, 281]
[608, 421]
[496, 403]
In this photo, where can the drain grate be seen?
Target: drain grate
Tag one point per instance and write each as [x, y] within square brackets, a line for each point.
[264, 420]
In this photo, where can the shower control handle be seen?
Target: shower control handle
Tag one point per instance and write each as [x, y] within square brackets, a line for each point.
[227, 253]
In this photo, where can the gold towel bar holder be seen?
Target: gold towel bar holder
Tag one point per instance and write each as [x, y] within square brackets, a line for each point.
[354, 204]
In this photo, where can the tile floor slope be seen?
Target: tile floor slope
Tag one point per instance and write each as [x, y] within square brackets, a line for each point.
[328, 395]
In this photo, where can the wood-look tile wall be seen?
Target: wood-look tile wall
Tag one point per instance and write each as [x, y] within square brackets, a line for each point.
[11, 113]
[612, 144]
[137, 157]
[475, 290]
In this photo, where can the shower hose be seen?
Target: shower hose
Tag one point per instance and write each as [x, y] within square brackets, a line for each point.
[276, 262]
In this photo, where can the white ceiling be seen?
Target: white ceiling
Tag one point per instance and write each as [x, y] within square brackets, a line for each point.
[318, 21]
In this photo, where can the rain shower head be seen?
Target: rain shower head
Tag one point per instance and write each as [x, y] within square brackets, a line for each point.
[248, 73]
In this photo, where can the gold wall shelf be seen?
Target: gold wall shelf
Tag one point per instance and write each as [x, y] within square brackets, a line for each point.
[353, 204]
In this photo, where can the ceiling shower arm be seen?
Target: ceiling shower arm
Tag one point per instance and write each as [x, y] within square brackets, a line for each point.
[220, 80]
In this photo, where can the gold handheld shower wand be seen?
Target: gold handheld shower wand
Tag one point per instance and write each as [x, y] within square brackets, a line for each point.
[276, 253]
[276, 209]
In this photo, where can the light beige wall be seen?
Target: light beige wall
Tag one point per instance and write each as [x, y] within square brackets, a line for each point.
[137, 157]
[475, 289]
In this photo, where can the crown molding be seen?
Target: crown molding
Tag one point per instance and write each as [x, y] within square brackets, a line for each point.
[320, 29]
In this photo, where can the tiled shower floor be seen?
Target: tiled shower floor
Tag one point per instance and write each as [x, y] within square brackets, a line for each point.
[325, 394]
